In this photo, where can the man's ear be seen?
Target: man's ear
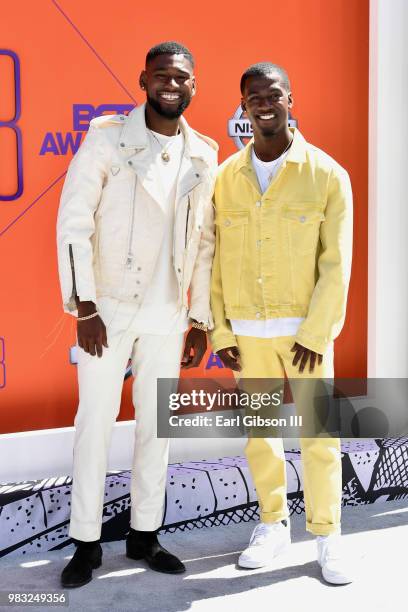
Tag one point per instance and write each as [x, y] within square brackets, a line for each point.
[194, 87]
[143, 79]
[290, 100]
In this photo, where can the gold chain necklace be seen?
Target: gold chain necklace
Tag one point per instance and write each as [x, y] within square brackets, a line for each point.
[164, 154]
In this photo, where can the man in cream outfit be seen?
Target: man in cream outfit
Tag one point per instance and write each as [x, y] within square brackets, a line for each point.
[135, 233]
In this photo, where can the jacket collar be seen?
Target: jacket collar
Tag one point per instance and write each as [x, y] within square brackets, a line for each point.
[134, 135]
[296, 154]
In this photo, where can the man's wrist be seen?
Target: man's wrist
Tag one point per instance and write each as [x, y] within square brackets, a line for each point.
[85, 308]
[198, 325]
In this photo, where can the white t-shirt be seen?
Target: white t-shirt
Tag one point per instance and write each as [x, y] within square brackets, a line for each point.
[266, 171]
[266, 328]
[159, 312]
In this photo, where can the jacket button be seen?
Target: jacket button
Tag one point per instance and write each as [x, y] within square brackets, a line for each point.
[136, 295]
[227, 223]
[197, 175]
[139, 268]
[178, 269]
[259, 280]
[258, 203]
[258, 315]
[122, 144]
[302, 219]
[137, 282]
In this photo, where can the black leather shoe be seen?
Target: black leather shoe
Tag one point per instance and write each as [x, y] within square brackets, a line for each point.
[145, 545]
[87, 557]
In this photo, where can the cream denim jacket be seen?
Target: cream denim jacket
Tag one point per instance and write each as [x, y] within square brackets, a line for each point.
[101, 252]
[286, 253]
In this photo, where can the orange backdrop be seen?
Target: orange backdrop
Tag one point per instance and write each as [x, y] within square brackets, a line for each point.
[72, 52]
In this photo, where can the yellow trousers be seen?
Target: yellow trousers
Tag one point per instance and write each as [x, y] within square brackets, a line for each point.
[321, 457]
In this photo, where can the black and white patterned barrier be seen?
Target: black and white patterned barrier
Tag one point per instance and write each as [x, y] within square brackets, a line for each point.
[34, 515]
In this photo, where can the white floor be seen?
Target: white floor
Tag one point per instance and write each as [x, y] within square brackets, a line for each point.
[376, 536]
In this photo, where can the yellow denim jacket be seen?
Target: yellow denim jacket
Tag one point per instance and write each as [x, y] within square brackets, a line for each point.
[284, 253]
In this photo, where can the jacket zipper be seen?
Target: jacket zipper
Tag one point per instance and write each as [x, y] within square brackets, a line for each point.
[132, 218]
[188, 214]
[71, 259]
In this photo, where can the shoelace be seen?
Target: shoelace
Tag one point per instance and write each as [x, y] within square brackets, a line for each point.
[262, 533]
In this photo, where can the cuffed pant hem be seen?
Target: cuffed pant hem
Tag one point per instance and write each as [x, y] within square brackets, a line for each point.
[322, 529]
[85, 533]
[145, 525]
[273, 517]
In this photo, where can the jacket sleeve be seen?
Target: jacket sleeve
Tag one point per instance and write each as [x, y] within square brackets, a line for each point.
[327, 309]
[221, 336]
[201, 278]
[75, 221]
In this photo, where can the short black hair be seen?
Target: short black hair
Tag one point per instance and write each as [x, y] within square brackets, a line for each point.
[170, 47]
[265, 69]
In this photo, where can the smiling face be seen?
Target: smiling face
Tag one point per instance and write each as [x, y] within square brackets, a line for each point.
[169, 83]
[267, 104]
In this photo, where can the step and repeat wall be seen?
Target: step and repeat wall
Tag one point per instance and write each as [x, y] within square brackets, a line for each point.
[64, 62]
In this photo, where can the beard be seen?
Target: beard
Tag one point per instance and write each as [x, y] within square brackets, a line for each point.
[169, 113]
[269, 131]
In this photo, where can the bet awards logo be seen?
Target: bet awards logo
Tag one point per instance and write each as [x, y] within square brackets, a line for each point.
[68, 143]
[240, 128]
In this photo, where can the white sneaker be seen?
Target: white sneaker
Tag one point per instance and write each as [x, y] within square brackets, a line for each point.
[331, 559]
[268, 540]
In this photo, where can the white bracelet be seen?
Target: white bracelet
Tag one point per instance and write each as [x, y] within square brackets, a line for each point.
[91, 316]
[198, 325]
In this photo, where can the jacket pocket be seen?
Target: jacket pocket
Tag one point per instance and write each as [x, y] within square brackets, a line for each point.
[72, 264]
[232, 228]
[302, 225]
[188, 223]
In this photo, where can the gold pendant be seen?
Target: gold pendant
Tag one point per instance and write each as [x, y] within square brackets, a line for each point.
[165, 156]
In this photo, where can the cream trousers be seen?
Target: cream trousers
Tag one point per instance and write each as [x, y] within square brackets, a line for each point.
[100, 382]
[321, 457]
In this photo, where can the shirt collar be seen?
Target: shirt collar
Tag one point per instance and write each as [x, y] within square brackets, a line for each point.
[134, 134]
[296, 153]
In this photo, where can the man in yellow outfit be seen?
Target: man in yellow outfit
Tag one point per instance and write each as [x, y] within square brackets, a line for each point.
[279, 290]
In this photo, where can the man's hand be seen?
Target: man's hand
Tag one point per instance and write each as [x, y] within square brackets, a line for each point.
[92, 332]
[196, 341]
[231, 358]
[302, 355]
